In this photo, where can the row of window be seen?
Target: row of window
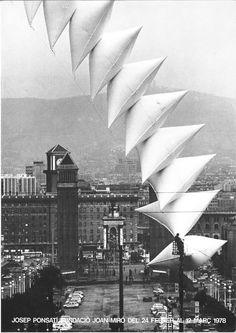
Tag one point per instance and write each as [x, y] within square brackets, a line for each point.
[21, 209]
[208, 226]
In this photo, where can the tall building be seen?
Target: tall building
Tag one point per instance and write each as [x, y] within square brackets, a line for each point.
[9, 184]
[37, 170]
[67, 213]
[20, 184]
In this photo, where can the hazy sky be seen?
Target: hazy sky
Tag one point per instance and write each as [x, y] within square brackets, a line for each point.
[198, 38]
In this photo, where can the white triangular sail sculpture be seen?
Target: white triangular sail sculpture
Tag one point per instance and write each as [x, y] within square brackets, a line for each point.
[86, 28]
[178, 177]
[129, 85]
[57, 14]
[180, 215]
[31, 8]
[158, 151]
[148, 114]
[108, 57]
[198, 250]
[157, 148]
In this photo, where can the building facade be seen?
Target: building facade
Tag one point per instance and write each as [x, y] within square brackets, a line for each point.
[38, 222]
[37, 170]
[29, 223]
[20, 184]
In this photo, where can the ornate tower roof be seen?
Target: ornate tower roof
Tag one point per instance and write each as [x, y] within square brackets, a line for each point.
[67, 162]
[57, 149]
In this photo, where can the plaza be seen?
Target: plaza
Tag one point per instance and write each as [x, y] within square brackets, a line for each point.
[102, 301]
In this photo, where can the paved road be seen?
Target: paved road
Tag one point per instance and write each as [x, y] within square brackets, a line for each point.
[101, 301]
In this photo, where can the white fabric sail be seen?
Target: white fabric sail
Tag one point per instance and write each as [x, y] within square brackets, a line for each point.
[182, 214]
[108, 57]
[86, 28]
[158, 151]
[178, 177]
[148, 114]
[57, 14]
[31, 8]
[129, 85]
[198, 250]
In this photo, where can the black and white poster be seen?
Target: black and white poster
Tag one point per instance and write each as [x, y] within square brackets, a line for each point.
[118, 166]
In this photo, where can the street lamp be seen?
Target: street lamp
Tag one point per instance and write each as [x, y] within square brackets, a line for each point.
[218, 290]
[211, 287]
[29, 278]
[10, 290]
[215, 288]
[225, 289]
[178, 248]
[114, 222]
[229, 298]
[20, 285]
[23, 282]
[13, 287]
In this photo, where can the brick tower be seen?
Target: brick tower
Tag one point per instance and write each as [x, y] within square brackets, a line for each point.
[54, 157]
[67, 213]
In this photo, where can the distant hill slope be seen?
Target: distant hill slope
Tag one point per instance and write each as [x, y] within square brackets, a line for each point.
[31, 126]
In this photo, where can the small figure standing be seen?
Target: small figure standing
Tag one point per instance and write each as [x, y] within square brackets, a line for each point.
[180, 244]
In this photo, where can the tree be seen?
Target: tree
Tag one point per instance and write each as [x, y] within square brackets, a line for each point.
[35, 302]
[50, 277]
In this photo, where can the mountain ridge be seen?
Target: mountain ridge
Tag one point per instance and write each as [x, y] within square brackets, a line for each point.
[36, 125]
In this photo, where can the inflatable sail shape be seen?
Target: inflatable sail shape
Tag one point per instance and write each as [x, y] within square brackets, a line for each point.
[177, 178]
[148, 114]
[165, 258]
[57, 14]
[31, 8]
[198, 250]
[86, 28]
[180, 215]
[201, 249]
[129, 85]
[158, 151]
[108, 57]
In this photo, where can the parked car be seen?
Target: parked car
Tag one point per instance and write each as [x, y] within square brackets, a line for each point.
[158, 291]
[62, 326]
[71, 304]
[161, 314]
[157, 306]
[76, 299]
[76, 293]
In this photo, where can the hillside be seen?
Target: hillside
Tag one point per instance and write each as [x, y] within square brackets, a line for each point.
[31, 126]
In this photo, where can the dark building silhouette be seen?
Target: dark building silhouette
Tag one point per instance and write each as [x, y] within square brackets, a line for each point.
[62, 179]
[67, 213]
[160, 237]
